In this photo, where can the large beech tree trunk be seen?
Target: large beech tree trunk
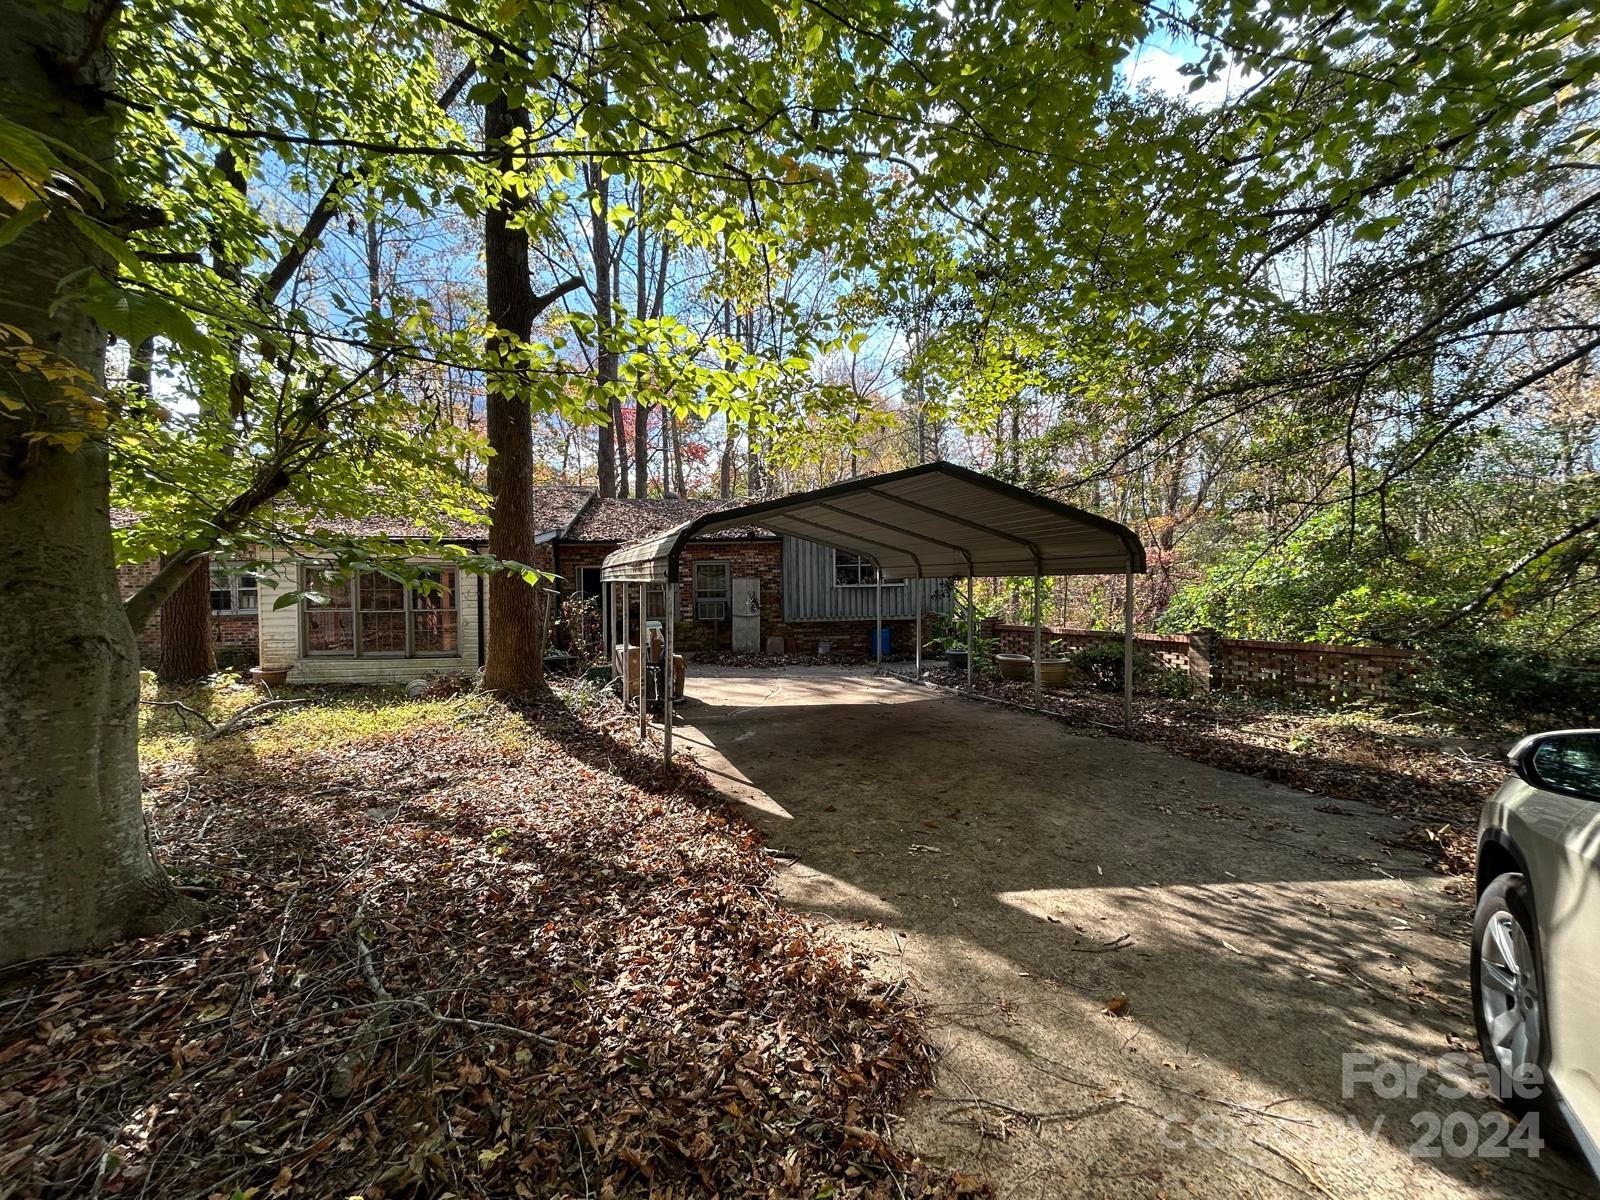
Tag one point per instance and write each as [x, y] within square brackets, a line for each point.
[514, 660]
[75, 868]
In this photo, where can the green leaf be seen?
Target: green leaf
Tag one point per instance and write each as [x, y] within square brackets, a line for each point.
[106, 240]
[136, 315]
[20, 220]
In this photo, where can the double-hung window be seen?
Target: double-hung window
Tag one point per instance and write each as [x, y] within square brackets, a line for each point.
[370, 615]
[233, 593]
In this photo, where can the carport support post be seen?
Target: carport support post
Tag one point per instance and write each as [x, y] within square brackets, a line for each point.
[1127, 650]
[877, 626]
[669, 675]
[919, 633]
[644, 613]
[1038, 641]
[970, 619]
[622, 589]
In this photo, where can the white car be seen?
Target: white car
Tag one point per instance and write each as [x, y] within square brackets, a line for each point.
[1536, 933]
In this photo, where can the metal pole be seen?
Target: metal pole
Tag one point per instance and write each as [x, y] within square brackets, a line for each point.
[670, 675]
[644, 627]
[877, 628]
[1038, 642]
[1127, 650]
[919, 632]
[624, 598]
[970, 619]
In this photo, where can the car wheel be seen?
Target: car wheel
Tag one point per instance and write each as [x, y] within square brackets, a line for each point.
[1508, 994]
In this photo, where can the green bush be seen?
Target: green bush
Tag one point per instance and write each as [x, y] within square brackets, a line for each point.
[1487, 682]
[1102, 663]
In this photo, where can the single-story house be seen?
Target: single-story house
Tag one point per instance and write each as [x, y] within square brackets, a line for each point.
[746, 590]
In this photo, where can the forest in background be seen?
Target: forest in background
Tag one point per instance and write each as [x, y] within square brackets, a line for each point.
[1341, 385]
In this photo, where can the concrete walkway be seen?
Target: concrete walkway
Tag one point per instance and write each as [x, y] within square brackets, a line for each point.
[1148, 977]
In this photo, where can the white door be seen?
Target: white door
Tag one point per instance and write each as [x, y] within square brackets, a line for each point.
[746, 616]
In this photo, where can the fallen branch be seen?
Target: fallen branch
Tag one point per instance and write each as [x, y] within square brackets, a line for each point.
[182, 708]
[243, 719]
[1121, 942]
[341, 1080]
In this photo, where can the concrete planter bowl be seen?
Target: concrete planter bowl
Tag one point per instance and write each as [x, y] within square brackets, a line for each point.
[1053, 672]
[1014, 666]
[269, 676]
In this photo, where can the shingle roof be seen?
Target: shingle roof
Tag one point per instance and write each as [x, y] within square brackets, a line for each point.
[623, 521]
[557, 503]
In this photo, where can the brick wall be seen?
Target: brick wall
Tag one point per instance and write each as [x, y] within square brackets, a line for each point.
[1303, 670]
[747, 558]
[233, 638]
[1166, 649]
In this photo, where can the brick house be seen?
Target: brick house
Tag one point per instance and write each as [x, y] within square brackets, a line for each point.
[747, 589]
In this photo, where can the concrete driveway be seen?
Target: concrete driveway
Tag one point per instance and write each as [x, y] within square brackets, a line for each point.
[1148, 977]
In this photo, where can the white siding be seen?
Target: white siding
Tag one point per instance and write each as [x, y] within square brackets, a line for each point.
[279, 631]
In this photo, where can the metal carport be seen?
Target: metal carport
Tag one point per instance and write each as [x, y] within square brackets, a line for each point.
[936, 521]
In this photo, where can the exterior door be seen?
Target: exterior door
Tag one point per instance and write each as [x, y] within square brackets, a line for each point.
[746, 616]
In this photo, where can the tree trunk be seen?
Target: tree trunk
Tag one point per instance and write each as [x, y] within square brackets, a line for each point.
[75, 866]
[612, 447]
[677, 456]
[187, 652]
[641, 410]
[514, 658]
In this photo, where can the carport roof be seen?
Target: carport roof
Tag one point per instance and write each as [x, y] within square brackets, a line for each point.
[934, 521]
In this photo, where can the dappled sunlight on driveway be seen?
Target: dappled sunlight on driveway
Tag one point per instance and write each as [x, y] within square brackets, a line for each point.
[1148, 975]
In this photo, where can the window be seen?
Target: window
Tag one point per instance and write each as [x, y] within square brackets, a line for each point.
[374, 616]
[233, 593]
[1569, 763]
[330, 626]
[434, 614]
[713, 587]
[855, 570]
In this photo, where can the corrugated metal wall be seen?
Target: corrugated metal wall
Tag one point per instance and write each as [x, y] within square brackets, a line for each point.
[809, 593]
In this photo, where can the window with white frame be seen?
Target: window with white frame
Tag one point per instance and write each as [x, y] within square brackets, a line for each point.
[713, 588]
[233, 592]
[371, 615]
[856, 570]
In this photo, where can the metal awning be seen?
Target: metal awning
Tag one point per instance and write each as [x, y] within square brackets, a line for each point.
[935, 521]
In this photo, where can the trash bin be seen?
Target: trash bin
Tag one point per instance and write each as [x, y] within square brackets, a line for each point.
[883, 642]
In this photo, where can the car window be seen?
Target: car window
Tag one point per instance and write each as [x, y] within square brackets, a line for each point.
[1570, 763]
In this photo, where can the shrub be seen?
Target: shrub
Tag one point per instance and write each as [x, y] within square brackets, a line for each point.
[579, 626]
[1102, 663]
[1499, 683]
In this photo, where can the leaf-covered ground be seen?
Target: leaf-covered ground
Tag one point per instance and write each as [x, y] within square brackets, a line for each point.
[457, 950]
[1434, 778]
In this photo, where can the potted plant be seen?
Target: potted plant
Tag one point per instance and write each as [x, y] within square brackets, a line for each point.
[265, 676]
[954, 650]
